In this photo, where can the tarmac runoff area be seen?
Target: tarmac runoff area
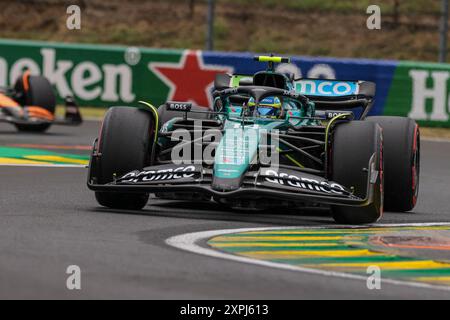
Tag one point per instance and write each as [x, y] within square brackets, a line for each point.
[179, 250]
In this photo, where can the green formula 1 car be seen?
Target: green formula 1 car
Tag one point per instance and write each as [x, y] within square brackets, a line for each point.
[269, 141]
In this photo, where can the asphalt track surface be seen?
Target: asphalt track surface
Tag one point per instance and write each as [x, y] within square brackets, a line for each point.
[50, 220]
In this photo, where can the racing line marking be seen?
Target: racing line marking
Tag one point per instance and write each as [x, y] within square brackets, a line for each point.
[228, 244]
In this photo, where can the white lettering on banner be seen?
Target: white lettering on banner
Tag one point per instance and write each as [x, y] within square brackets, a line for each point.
[87, 80]
[113, 74]
[321, 71]
[3, 72]
[80, 82]
[21, 66]
[289, 68]
[56, 76]
[438, 93]
[318, 71]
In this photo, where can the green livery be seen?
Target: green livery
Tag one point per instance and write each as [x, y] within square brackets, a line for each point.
[268, 140]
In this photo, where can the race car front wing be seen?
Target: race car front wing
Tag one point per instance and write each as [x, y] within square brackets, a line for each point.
[269, 183]
[25, 115]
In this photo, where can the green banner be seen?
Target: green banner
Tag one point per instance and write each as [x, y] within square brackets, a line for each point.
[101, 75]
[420, 91]
[94, 75]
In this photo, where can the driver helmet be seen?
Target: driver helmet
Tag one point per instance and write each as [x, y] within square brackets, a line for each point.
[269, 107]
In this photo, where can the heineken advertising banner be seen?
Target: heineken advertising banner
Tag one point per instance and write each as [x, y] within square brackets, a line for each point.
[99, 75]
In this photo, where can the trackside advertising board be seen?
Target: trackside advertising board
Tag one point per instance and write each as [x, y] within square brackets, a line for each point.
[99, 75]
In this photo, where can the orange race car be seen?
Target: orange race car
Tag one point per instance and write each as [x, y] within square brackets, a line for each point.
[30, 105]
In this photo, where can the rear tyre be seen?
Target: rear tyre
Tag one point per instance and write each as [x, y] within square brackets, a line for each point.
[40, 93]
[125, 145]
[353, 145]
[402, 162]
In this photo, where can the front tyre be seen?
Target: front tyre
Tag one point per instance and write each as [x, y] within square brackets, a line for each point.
[36, 92]
[125, 145]
[353, 145]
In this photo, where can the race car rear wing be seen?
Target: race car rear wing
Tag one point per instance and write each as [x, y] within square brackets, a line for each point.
[334, 90]
[315, 89]
[338, 94]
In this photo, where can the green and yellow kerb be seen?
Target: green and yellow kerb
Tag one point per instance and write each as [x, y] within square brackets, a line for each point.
[418, 254]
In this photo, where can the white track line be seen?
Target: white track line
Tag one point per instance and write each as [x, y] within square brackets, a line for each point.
[189, 242]
[443, 140]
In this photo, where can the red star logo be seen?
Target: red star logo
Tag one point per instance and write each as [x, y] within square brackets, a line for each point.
[189, 80]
